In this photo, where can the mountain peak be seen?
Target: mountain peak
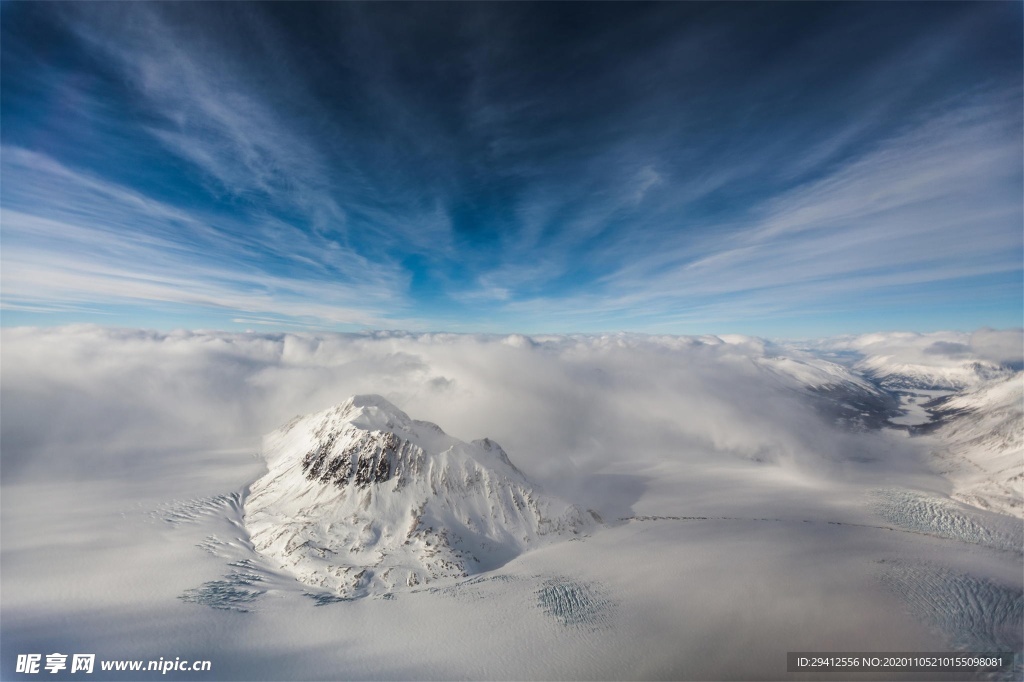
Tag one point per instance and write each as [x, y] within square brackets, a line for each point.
[371, 411]
[362, 499]
[372, 402]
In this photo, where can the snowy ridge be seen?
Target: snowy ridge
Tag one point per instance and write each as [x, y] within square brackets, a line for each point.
[981, 447]
[835, 391]
[894, 374]
[904, 361]
[815, 373]
[361, 499]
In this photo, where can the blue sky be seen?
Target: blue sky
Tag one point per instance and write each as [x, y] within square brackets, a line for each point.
[780, 169]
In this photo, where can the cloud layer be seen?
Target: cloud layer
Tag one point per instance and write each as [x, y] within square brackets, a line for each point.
[564, 407]
[1004, 347]
[119, 448]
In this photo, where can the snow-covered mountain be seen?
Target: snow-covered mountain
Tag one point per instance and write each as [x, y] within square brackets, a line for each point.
[981, 444]
[835, 391]
[898, 375]
[360, 499]
[907, 361]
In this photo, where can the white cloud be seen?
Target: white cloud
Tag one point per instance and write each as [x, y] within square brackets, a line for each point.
[99, 244]
[623, 243]
[645, 180]
[936, 349]
[220, 114]
[220, 125]
[906, 220]
[560, 405]
[935, 203]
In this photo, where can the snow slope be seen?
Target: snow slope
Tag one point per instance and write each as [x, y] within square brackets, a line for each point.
[836, 392]
[895, 374]
[360, 499]
[981, 445]
[901, 361]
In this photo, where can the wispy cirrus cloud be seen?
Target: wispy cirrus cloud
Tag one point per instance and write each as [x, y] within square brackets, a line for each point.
[209, 111]
[103, 243]
[934, 205]
[626, 168]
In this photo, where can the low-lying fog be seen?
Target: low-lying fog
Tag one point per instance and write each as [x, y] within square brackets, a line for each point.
[121, 450]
